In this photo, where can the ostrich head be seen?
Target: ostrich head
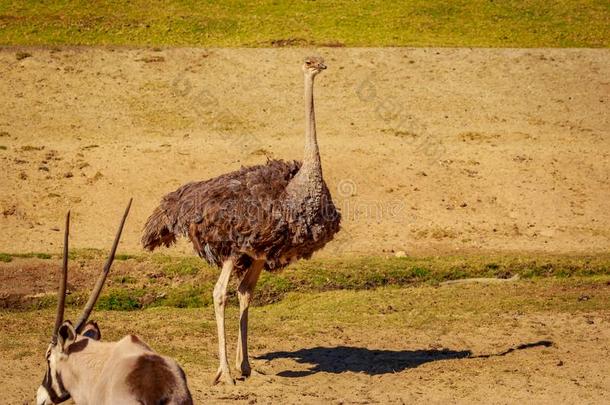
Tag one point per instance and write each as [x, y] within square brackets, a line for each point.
[313, 65]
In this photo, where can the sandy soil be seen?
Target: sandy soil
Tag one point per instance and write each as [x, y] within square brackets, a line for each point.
[383, 369]
[425, 150]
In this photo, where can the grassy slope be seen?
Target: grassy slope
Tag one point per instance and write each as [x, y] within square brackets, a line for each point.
[484, 23]
[159, 280]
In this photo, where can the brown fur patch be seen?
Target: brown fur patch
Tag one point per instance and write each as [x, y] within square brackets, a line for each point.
[136, 340]
[77, 346]
[151, 381]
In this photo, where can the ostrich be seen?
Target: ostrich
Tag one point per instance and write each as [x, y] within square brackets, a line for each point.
[258, 217]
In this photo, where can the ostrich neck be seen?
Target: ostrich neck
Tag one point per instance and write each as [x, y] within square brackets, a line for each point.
[309, 178]
[311, 160]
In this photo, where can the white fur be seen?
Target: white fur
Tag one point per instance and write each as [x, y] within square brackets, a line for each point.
[42, 396]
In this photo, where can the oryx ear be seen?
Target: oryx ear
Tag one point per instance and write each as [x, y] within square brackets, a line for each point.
[92, 331]
[66, 335]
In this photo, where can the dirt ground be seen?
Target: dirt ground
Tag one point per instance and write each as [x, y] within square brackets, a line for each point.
[425, 150]
[543, 342]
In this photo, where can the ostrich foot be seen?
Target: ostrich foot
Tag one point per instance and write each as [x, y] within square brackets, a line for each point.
[244, 370]
[223, 374]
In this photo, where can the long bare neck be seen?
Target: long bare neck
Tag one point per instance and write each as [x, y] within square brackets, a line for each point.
[311, 159]
[308, 181]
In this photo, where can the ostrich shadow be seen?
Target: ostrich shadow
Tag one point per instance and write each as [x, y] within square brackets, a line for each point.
[340, 359]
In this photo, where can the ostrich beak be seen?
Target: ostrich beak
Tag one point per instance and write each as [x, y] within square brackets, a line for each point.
[322, 66]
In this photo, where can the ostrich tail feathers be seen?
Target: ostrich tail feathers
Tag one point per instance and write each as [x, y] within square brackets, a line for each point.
[158, 230]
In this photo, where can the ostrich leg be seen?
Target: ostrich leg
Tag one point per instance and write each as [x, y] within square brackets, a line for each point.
[220, 299]
[244, 292]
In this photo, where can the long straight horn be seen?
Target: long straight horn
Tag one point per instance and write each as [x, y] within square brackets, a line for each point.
[102, 278]
[63, 280]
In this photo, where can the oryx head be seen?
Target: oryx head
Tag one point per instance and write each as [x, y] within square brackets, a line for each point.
[67, 338]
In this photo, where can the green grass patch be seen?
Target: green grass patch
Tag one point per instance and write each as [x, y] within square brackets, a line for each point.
[120, 300]
[272, 288]
[186, 266]
[86, 254]
[263, 23]
[121, 257]
[187, 282]
[188, 296]
[49, 300]
[125, 280]
[8, 257]
[373, 272]
[45, 256]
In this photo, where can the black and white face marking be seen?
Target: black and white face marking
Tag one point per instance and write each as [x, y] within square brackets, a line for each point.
[52, 390]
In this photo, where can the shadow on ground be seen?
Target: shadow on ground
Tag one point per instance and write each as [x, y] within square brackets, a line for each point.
[373, 362]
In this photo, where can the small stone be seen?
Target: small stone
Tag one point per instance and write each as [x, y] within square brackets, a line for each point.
[9, 211]
[96, 177]
[68, 175]
[22, 55]
[400, 253]
[559, 363]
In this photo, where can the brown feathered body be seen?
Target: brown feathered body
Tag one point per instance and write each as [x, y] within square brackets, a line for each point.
[249, 214]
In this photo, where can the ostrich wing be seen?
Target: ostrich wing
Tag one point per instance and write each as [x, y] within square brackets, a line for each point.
[235, 213]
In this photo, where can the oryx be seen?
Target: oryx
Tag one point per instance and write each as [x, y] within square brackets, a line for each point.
[89, 371]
